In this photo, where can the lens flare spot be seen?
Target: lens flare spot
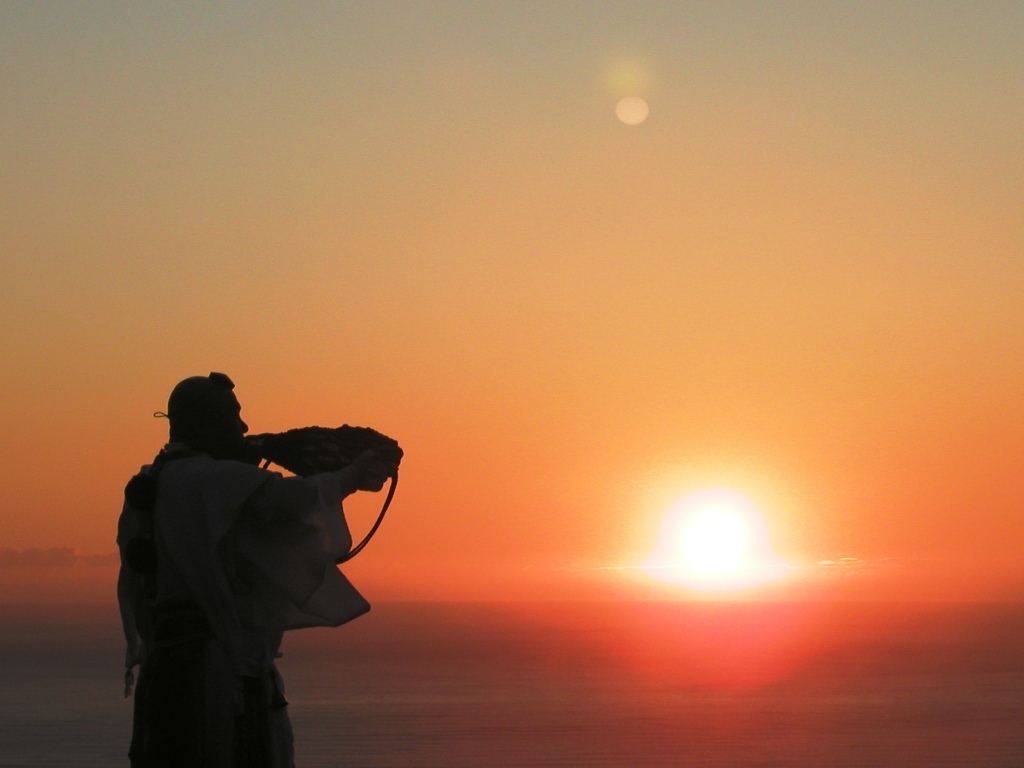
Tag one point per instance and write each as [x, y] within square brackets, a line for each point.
[632, 110]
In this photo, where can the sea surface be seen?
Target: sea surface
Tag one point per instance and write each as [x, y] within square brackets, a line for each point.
[600, 685]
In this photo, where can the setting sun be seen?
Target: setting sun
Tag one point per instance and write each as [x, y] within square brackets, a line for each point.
[714, 540]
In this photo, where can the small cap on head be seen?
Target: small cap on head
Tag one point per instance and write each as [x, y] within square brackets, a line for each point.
[196, 395]
[204, 413]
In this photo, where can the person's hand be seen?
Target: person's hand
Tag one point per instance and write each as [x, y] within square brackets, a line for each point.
[373, 471]
[367, 472]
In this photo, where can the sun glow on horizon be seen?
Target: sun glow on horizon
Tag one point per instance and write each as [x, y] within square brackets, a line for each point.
[714, 540]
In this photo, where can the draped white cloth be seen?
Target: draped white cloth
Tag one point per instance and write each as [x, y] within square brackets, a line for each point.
[255, 551]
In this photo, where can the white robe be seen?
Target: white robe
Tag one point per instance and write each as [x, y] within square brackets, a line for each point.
[255, 551]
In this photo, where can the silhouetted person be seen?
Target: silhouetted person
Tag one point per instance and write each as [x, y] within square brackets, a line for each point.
[218, 558]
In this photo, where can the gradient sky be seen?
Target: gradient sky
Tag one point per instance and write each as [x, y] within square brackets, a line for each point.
[800, 278]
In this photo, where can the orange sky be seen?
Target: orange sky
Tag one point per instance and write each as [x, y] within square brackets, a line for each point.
[800, 278]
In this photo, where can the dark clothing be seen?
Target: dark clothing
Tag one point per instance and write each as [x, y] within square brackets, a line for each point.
[170, 706]
[170, 700]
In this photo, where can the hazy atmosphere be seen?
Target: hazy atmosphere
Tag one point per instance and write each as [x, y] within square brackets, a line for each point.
[796, 278]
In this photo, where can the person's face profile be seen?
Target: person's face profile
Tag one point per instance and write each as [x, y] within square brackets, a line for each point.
[223, 427]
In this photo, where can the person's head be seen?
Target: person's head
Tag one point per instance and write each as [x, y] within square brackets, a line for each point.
[205, 414]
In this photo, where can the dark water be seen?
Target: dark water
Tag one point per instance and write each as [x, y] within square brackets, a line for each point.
[598, 685]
